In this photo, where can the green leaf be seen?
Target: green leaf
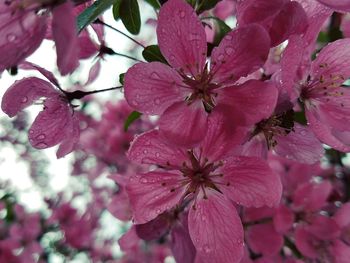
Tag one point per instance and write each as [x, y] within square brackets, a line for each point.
[121, 78]
[129, 13]
[154, 3]
[204, 5]
[91, 13]
[221, 29]
[192, 2]
[152, 53]
[131, 118]
[115, 9]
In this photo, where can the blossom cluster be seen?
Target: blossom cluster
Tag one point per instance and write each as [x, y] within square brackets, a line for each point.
[244, 160]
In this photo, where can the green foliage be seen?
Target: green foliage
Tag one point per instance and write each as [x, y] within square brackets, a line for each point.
[152, 53]
[131, 118]
[129, 13]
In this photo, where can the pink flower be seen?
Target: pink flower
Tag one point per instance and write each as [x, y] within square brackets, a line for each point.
[23, 30]
[21, 33]
[327, 104]
[207, 178]
[186, 93]
[55, 124]
[281, 18]
[339, 5]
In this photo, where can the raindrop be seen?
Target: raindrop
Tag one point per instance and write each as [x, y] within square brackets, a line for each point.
[157, 154]
[221, 57]
[158, 211]
[41, 145]
[41, 137]
[207, 249]
[229, 50]
[155, 75]
[157, 101]
[144, 180]
[182, 14]
[11, 37]
[24, 99]
[145, 151]
[303, 132]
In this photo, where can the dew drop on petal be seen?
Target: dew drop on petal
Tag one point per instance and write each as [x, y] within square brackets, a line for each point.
[206, 249]
[155, 75]
[229, 50]
[24, 99]
[41, 137]
[41, 145]
[144, 180]
[182, 14]
[11, 37]
[157, 154]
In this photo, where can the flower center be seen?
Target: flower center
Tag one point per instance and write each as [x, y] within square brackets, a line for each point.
[199, 175]
[202, 89]
[281, 124]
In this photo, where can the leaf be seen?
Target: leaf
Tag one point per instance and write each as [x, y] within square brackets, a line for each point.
[154, 3]
[204, 5]
[221, 30]
[152, 53]
[131, 118]
[121, 78]
[116, 7]
[129, 13]
[91, 13]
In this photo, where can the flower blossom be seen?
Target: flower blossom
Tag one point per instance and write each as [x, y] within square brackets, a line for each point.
[186, 93]
[207, 178]
[55, 124]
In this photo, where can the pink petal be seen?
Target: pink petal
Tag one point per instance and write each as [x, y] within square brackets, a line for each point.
[216, 230]
[119, 206]
[152, 148]
[72, 134]
[334, 109]
[305, 242]
[181, 243]
[290, 63]
[299, 145]
[317, 15]
[153, 193]
[324, 228]
[263, 238]
[50, 126]
[256, 146]
[230, 60]
[339, 5]
[129, 240]
[332, 65]
[154, 229]
[249, 181]
[311, 196]
[152, 87]
[87, 47]
[23, 93]
[283, 219]
[184, 124]
[222, 134]
[47, 74]
[65, 36]
[290, 20]
[255, 100]
[94, 72]
[340, 251]
[257, 11]
[327, 135]
[21, 33]
[181, 37]
[342, 216]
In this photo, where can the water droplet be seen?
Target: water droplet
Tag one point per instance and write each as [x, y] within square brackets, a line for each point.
[303, 132]
[157, 101]
[31, 131]
[157, 154]
[228, 37]
[155, 75]
[239, 241]
[182, 14]
[41, 145]
[145, 151]
[203, 218]
[135, 103]
[24, 99]
[206, 249]
[221, 57]
[229, 50]
[11, 37]
[41, 137]
[144, 180]
[158, 211]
